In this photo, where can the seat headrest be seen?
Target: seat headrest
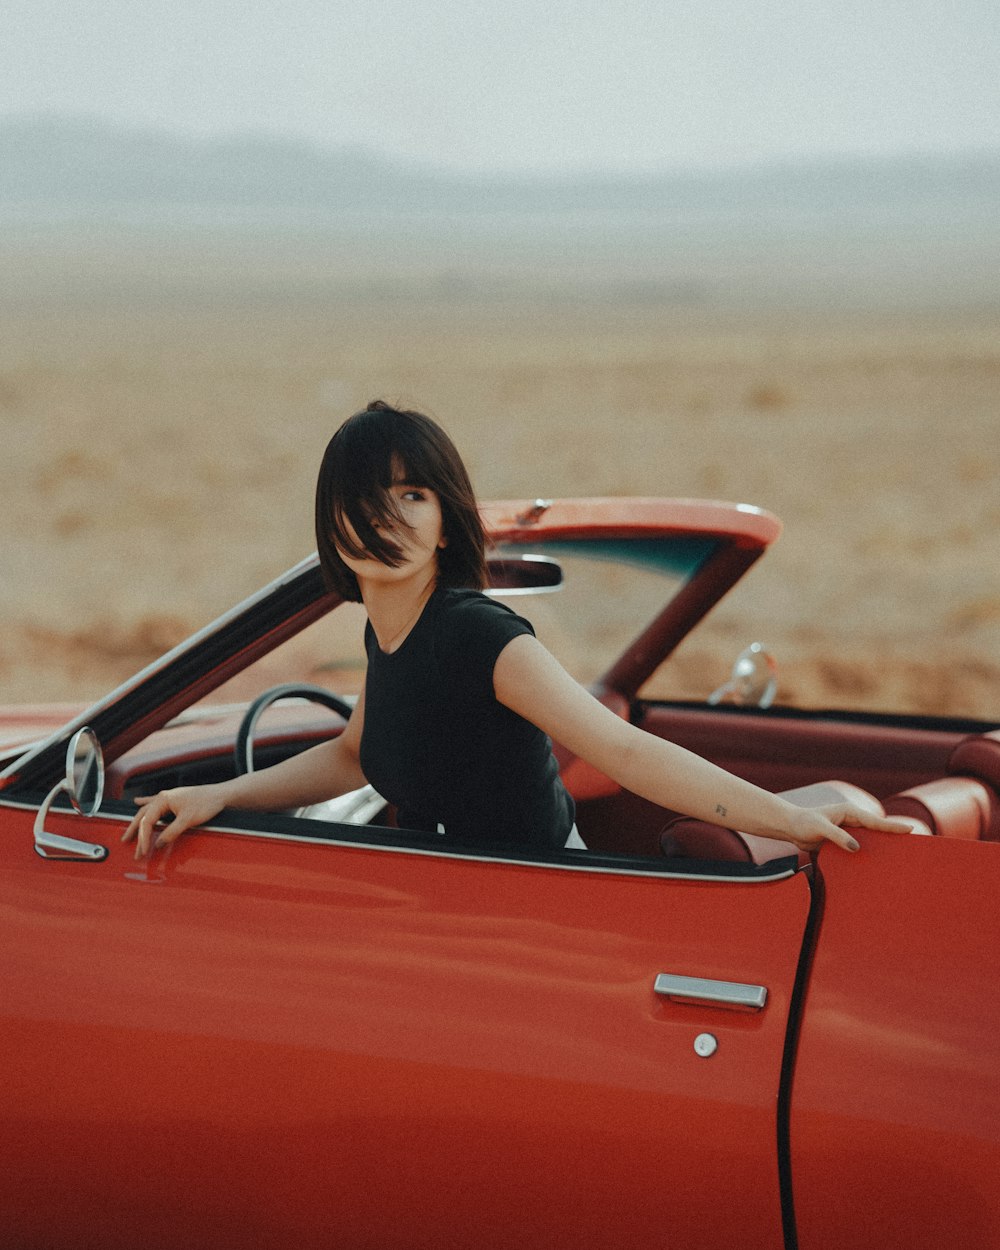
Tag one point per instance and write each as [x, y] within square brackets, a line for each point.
[953, 807]
[978, 756]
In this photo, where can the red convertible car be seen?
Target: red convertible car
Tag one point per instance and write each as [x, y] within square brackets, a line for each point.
[314, 1029]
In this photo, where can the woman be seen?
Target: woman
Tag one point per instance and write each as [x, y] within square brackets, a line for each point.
[461, 702]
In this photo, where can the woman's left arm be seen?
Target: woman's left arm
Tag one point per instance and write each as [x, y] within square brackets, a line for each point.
[531, 682]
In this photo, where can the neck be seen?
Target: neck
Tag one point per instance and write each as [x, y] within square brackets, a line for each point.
[395, 607]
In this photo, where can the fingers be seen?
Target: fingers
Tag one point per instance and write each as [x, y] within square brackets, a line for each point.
[133, 825]
[163, 817]
[843, 839]
[142, 826]
[857, 816]
[842, 817]
[146, 821]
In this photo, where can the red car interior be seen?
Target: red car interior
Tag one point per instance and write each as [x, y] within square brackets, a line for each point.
[900, 771]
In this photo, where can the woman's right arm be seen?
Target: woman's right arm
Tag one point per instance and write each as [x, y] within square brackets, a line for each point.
[312, 776]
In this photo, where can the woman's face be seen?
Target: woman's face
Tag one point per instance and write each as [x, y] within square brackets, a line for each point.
[421, 510]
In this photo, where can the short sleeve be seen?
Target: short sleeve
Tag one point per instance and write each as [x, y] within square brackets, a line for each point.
[474, 630]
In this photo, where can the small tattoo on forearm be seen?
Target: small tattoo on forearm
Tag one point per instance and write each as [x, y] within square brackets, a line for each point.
[719, 810]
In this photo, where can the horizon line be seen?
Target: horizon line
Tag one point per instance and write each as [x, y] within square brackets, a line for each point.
[83, 120]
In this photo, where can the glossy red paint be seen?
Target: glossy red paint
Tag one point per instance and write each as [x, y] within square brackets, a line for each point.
[895, 1127]
[271, 1040]
[253, 1042]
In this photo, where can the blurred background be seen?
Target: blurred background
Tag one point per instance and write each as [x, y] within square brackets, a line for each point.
[747, 251]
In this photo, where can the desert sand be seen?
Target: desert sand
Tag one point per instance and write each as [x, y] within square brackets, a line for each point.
[160, 440]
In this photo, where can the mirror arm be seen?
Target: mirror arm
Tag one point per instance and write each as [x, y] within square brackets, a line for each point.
[753, 681]
[63, 848]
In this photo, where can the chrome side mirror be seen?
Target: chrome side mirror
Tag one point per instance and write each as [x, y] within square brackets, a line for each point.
[84, 783]
[753, 681]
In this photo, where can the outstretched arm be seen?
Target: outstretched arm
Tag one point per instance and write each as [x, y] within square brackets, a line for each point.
[531, 682]
[312, 776]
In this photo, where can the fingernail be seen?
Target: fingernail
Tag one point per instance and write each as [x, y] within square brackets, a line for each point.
[853, 846]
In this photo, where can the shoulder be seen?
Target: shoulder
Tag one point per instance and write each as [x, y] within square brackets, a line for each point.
[472, 629]
[466, 614]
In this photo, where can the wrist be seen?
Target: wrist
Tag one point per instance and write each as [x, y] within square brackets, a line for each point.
[788, 822]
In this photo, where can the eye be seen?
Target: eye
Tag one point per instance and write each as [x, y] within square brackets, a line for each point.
[414, 495]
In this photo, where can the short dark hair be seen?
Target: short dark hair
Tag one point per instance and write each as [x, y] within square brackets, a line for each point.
[353, 488]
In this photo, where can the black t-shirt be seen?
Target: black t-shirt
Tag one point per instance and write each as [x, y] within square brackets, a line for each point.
[439, 745]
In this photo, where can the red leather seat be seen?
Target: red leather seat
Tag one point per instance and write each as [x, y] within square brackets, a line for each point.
[687, 838]
[952, 807]
[978, 756]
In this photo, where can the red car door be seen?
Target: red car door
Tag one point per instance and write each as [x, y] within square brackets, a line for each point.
[266, 1041]
[895, 1126]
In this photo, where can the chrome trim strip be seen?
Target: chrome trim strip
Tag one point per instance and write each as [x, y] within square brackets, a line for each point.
[734, 995]
[503, 859]
[478, 859]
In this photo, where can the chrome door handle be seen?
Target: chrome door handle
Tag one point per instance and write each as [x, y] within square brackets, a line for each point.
[734, 995]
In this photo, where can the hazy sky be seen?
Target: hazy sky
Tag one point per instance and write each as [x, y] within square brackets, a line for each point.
[525, 84]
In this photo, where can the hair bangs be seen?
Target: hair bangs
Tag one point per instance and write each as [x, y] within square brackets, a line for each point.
[363, 512]
[357, 512]
[361, 527]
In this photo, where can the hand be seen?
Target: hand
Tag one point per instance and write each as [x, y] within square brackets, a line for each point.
[812, 826]
[190, 806]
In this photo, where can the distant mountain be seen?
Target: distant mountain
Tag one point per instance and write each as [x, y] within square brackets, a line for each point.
[91, 167]
[89, 163]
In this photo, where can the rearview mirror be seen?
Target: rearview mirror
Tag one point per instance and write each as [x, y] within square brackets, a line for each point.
[522, 575]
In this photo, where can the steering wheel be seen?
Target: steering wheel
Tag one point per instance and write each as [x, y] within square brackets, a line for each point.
[357, 807]
[290, 690]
